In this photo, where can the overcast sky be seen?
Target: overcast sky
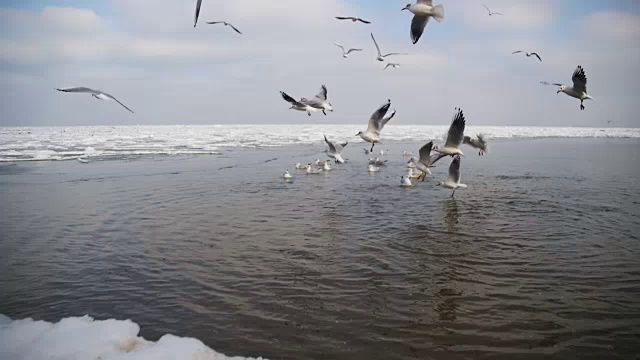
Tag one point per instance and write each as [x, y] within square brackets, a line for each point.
[148, 55]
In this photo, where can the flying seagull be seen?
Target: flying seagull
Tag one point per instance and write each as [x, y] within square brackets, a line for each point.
[345, 53]
[380, 56]
[528, 54]
[226, 24]
[489, 11]
[198, 4]
[454, 137]
[377, 121]
[335, 150]
[393, 65]
[297, 105]
[354, 19]
[579, 89]
[479, 143]
[453, 181]
[319, 101]
[100, 95]
[422, 11]
[426, 160]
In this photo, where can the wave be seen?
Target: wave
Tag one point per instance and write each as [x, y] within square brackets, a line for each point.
[106, 142]
[86, 338]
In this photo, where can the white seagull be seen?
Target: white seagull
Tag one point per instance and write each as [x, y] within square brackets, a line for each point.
[198, 4]
[373, 168]
[326, 166]
[453, 181]
[422, 11]
[335, 150]
[489, 11]
[352, 18]
[297, 105]
[426, 160]
[226, 24]
[454, 138]
[100, 95]
[412, 173]
[319, 101]
[393, 65]
[310, 171]
[479, 143]
[579, 89]
[377, 121]
[528, 54]
[345, 53]
[380, 56]
[405, 181]
[287, 176]
[302, 166]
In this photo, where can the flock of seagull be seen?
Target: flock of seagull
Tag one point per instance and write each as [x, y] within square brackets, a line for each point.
[419, 168]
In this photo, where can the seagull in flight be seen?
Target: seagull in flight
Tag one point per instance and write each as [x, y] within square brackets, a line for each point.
[528, 54]
[345, 53]
[479, 143]
[198, 4]
[297, 105]
[354, 19]
[454, 137]
[491, 13]
[422, 11]
[425, 161]
[226, 24]
[380, 56]
[453, 181]
[319, 101]
[335, 150]
[579, 89]
[377, 121]
[100, 95]
[393, 65]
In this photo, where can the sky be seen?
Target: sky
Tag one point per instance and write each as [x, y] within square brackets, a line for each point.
[147, 54]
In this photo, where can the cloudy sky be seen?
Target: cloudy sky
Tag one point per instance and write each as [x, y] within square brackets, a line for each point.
[148, 55]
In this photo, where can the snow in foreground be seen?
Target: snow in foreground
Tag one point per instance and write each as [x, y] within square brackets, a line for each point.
[86, 338]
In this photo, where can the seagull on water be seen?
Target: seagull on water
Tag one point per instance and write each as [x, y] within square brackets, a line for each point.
[302, 166]
[373, 168]
[377, 121]
[405, 181]
[297, 105]
[489, 11]
[311, 171]
[100, 95]
[393, 65]
[345, 53]
[353, 19]
[422, 11]
[579, 89]
[378, 162]
[479, 143]
[335, 150]
[198, 4]
[453, 181]
[326, 166]
[380, 56]
[528, 54]
[426, 160]
[319, 101]
[226, 24]
[454, 138]
[287, 175]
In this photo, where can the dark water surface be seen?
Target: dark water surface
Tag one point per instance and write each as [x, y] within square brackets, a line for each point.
[540, 257]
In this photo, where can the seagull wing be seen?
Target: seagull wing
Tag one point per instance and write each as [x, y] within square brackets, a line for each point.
[116, 100]
[426, 2]
[390, 54]
[364, 21]
[376, 118]
[497, 14]
[536, 55]
[344, 18]
[579, 79]
[425, 153]
[332, 146]
[376, 44]
[434, 158]
[548, 83]
[234, 28]
[340, 46]
[386, 119]
[454, 171]
[198, 4]
[79, 90]
[214, 22]
[485, 6]
[322, 95]
[456, 131]
[516, 52]
[388, 64]
[417, 27]
[352, 50]
[289, 99]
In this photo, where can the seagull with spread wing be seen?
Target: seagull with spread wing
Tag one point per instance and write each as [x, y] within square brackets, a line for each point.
[319, 101]
[225, 24]
[489, 11]
[422, 11]
[335, 150]
[479, 143]
[100, 95]
[453, 181]
[426, 160]
[528, 54]
[380, 56]
[579, 89]
[345, 53]
[352, 18]
[377, 121]
[297, 105]
[455, 136]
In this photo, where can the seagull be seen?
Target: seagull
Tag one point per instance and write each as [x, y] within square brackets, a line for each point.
[301, 166]
[454, 138]
[373, 168]
[100, 95]
[426, 159]
[335, 150]
[478, 143]
[422, 11]
[380, 56]
[326, 166]
[406, 153]
[297, 105]
[318, 162]
[405, 181]
[579, 89]
[226, 24]
[413, 174]
[354, 19]
[378, 162]
[82, 159]
[319, 101]
[198, 4]
[393, 65]
[287, 176]
[345, 53]
[377, 121]
[313, 172]
[453, 181]
[528, 54]
[489, 11]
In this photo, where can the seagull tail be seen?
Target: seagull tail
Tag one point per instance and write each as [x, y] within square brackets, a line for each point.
[589, 97]
[438, 13]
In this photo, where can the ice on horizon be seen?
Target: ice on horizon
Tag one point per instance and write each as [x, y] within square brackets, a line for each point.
[86, 338]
